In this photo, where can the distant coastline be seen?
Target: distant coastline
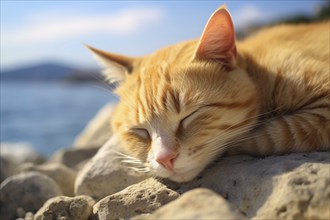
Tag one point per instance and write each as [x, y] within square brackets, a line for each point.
[52, 72]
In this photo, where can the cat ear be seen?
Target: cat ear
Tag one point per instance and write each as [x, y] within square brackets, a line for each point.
[116, 67]
[218, 39]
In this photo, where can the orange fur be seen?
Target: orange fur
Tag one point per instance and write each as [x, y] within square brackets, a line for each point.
[201, 101]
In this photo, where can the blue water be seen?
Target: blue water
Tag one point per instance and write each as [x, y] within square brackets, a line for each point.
[48, 115]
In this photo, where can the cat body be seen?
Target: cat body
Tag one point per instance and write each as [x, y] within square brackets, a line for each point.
[290, 66]
[187, 104]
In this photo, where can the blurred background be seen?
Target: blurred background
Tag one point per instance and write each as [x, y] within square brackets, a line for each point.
[50, 84]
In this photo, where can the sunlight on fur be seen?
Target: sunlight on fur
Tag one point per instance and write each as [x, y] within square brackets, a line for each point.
[187, 104]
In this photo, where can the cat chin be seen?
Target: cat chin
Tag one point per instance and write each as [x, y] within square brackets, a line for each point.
[180, 177]
[182, 174]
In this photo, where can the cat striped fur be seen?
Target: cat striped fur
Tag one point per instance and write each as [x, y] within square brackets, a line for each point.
[186, 105]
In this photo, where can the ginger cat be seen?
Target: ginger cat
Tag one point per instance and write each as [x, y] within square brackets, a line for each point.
[187, 104]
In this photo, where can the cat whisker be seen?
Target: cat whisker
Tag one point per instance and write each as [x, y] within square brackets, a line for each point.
[234, 143]
[102, 88]
[140, 170]
[99, 78]
[254, 117]
[241, 130]
[131, 162]
[158, 178]
[123, 155]
[213, 143]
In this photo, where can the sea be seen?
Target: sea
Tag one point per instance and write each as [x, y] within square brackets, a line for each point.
[48, 116]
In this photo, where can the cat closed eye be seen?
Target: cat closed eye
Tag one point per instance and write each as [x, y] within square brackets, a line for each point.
[187, 119]
[141, 132]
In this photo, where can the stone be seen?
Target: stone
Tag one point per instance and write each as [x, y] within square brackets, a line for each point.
[303, 193]
[98, 130]
[197, 204]
[276, 187]
[103, 175]
[66, 208]
[13, 154]
[20, 152]
[20, 212]
[27, 192]
[61, 174]
[29, 216]
[140, 198]
[7, 168]
[73, 158]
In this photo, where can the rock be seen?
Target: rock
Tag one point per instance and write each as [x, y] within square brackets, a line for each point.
[13, 154]
[73, 158]
[61, 174]
[20, 152]
[103, 175]
[303, 193]
[197, 204]
[29, 216]
[7, 168]
[26, 191]
[140, 198]
[277, 187]
[98, 131]
[66, 208]
[20, 212]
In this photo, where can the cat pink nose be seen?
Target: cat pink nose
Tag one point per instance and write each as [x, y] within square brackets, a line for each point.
[166, 159]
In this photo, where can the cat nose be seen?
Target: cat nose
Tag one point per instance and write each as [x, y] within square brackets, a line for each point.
[166, 159]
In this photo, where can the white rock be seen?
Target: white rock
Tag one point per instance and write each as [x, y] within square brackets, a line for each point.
[197, 204]
[66, 208]
[7, 168]
[103, 175]
[143, 197]
[20, 152]
[26, 191]
[29, 216]
[62, 175]
[290, 186]
[73, 158]
[98, 131]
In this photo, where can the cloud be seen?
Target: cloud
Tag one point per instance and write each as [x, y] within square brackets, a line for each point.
[54, 28]
[248, 15]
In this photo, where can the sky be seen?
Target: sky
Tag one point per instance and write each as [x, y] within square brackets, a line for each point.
[33, 32]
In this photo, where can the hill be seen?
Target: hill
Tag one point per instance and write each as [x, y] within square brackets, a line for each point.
[50, 72]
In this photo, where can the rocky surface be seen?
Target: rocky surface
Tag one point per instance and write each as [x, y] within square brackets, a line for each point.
[103, 175]
[97, 131]
[26, 191]
[286, 187]
[20, 152]
[294, 186]
[61, 174]
[12, 155]
[73, 158]
[141, 198]
[66, 208]
[197, 204]
[7, 168]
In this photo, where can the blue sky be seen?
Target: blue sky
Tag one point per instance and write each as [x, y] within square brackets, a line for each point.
[42, 31]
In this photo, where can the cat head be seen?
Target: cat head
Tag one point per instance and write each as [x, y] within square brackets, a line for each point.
[183, 105]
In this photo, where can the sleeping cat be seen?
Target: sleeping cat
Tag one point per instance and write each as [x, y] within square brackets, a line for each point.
[185, 105]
